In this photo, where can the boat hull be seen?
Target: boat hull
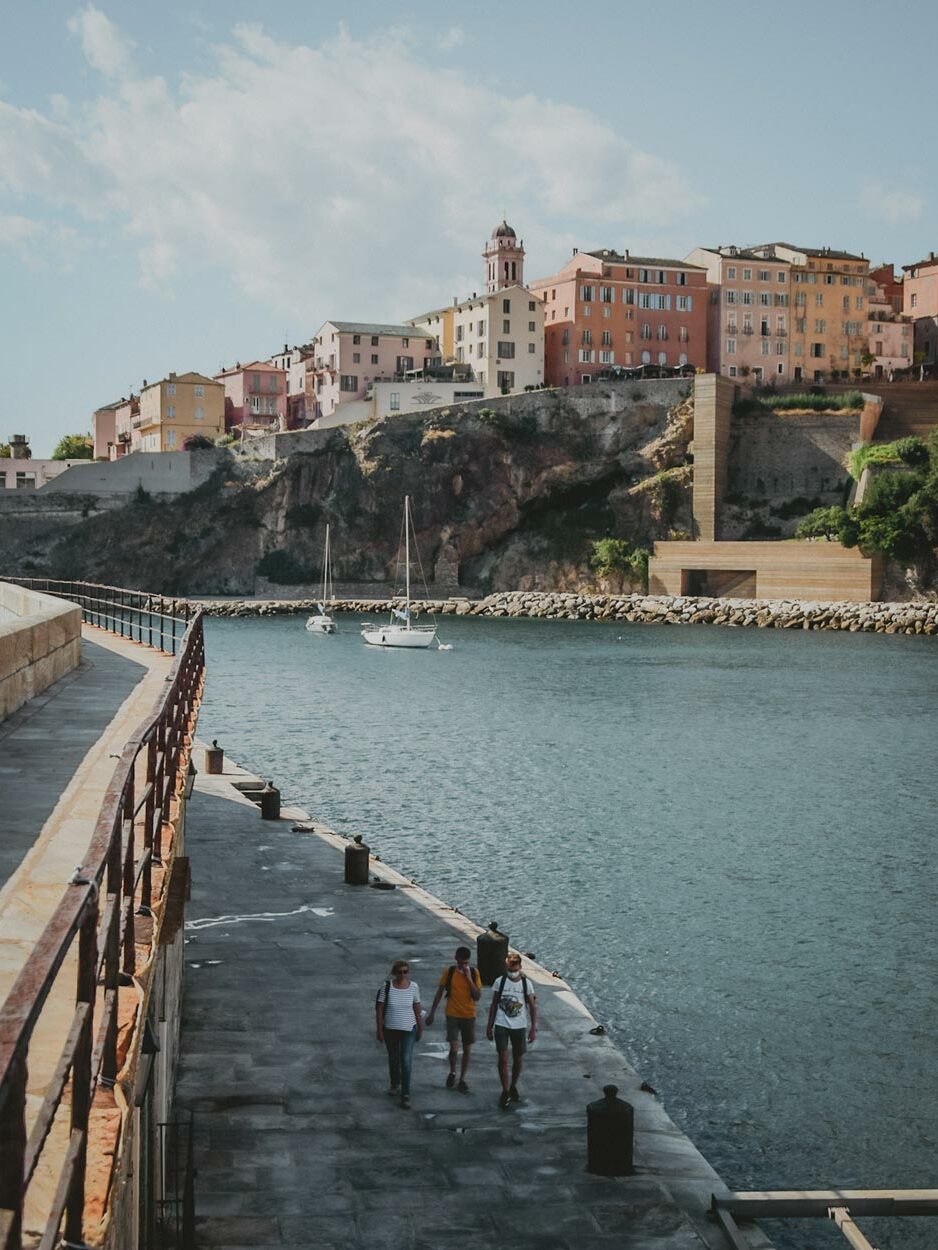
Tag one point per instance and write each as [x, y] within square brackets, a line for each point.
[398, 636]
[320, 625]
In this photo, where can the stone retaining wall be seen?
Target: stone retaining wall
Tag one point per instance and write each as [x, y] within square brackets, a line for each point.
[40, 641]
[881, 618]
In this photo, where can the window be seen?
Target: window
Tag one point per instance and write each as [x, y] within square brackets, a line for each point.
[171, 389]
[170, 438]
[646, 331]
[914, 300]
[532, 304]
[171, 411]
[765, 299]
[685, 303]
[374, 358]
[587, 336]
[731, 347]
[587, 310]
[506, 327]
[405, 342]
[644, 275]
[607, 338]
[682, 335]
[532, 327]
[780, 347]
[480, 349]
[820, 326]
[662, 277]
[348, 382]
[781, 275]
[374, 340]
[731, 273]
[747, 275]
[586, 294]
[356, 338]
[781, 300]
[394, 401]
[681, 279]
[506, 305]
[764, 326]
[460, 333]
[747, 297]
[662, 332]
[628, 295]
[607, 294]
[356, 358]
[682, 358]
[764, 347]
[506, 381]
[646, 358]
[644, 299]
[531, 348]
[731, 297]
[585, 356]
[817, 350]
[199, 413]
[506, 351]
[859, 303]
[819, 299]
[607, 358]
[829, 279]
[662, 358]
[732, 371]
[764, 275]
[480, 329]
[199, 390]
[607, 311]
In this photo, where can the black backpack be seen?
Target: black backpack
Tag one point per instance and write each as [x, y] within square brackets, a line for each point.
[452, 973]
[501, 986]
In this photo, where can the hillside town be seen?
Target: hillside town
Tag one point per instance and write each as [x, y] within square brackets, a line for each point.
[769, 314]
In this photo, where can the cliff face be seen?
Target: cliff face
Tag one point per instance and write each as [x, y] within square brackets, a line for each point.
[507, 496]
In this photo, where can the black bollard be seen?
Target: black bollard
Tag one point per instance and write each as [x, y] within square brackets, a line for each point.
[214, 758]
[356, 862]
[492, 948]
[270, 802]
[610, 1135]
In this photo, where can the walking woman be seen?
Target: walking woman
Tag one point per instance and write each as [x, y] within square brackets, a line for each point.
[398, 1023]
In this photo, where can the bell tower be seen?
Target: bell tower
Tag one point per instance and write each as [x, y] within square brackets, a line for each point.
[504, 259]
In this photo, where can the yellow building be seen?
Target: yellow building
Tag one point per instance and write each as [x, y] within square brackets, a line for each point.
[172, 410]
[828, 310]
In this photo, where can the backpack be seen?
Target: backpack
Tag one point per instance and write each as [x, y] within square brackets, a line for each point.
[501, 986]
[452, 973]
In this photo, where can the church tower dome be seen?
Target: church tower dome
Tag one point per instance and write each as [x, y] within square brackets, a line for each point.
[504, 259]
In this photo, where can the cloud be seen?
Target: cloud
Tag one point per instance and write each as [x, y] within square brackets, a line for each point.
[106, 49]
[451, 38]
[38, 244]
[891, 203]
[354, 178]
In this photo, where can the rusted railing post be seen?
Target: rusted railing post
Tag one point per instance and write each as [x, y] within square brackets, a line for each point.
[13, 1147]
[129, 960]
[147, 882]
[82, 1084]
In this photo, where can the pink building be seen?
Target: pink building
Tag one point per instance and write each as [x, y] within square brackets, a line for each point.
[348, 356]
[255, 396]
[920, 302]
[891, 335]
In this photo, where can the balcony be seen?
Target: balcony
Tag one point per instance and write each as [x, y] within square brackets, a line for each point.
[747, 329]
[731, 327]
[781, 334]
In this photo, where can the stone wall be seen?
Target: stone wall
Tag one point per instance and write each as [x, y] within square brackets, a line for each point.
[883, 618]
[40, 641]
[781, 455]
[158, 473]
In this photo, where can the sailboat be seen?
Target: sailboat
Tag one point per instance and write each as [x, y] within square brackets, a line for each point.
[323, 623]
[400, 632]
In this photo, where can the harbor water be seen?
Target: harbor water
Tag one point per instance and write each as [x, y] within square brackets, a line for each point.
[724, 838]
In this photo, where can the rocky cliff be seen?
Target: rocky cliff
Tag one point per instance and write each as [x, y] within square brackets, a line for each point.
[506, 495]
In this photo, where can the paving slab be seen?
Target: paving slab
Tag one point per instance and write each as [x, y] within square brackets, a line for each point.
[297, 1143]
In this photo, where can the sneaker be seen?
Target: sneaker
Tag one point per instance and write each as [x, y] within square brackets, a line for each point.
[463, 1087]
[505, 1101]
[451, 1080]
[513, 1094]
[394, 1091]
[405, 1102]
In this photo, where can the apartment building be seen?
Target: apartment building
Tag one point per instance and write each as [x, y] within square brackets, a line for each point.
[348, 356]
[255, 396]
[828, 310]
[173, 409]
[295, 363]
[124, 415]
[606, 308]
[749, 314]
[920, 302]
[19, 471]
[890, 334]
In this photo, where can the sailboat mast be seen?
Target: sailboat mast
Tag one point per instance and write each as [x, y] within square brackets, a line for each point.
[407, 554]
[326, 570]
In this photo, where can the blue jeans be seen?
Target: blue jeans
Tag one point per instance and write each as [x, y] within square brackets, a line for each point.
[400, 1057]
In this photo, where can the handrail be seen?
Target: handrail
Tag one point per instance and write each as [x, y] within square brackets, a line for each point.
[140, 803]
[135, 614]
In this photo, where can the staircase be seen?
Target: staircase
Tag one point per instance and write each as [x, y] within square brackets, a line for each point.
[909, 408]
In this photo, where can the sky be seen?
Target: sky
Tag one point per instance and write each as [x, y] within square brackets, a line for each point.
[183, 185]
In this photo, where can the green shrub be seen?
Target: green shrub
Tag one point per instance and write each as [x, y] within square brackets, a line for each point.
[795, 507]
[616, 557]
[834, 524]
[765, 401]
[870, 453]
[912, 451]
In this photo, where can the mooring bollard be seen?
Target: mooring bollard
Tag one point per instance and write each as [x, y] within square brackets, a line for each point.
[357, 858]
[214, 758]
[270, 802]
[492, 948]
[610, 1135]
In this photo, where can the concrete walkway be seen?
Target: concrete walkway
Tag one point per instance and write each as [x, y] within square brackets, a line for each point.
[297, 1143]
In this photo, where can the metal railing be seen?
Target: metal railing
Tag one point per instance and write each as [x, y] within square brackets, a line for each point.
[158, 620]
[175, 1209]
[107, 906]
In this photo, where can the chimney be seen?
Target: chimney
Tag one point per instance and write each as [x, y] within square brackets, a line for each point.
[19, 448]
[172, 377]
[575, 250]
[144, 384]
[931, 255]
[626, 253]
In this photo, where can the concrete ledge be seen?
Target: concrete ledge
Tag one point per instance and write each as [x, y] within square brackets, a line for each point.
[40, 641]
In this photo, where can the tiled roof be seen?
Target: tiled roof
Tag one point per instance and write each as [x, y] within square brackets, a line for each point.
[606, 253]
[818, 253]
[745, 253]
[366, 327]
[921, 264]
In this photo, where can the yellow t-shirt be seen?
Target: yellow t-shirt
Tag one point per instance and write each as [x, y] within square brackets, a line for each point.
[460, 1002]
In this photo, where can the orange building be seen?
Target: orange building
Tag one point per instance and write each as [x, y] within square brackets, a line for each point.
[605, 309]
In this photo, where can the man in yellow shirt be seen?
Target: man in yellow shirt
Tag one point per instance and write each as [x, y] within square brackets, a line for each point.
[462, 986]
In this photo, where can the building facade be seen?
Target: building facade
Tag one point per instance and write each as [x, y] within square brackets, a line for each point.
[890, 334]
[749, 314]
[255, 396]
[124, 416]
[920, 302]
[172, 410]
[294, 361]
[349, 356]
[606, 308]
[828, 310]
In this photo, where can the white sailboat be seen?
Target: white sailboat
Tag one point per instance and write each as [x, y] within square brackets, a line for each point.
[400, 632]
[323, 623]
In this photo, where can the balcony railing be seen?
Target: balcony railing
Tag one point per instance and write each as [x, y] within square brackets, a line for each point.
[108, 892]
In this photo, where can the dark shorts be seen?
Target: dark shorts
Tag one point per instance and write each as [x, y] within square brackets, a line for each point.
[516, 1038]
[461, 1028]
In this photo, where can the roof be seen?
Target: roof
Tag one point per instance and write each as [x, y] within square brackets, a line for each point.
[472, 299]
[255, 365]
[606, 253]
[367, 327]
[819, 253]
[931, 259]
[118, 403]
[744, 253]
[503, 231]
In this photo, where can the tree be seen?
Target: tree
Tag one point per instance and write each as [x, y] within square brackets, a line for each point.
[5, 451]
[74, 447]
[197, 442]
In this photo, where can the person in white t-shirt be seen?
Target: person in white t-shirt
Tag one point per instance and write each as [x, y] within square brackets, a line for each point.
[512, 1022]
[398, 1023]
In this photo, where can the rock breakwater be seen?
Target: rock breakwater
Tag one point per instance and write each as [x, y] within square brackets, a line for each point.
[878, 618]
